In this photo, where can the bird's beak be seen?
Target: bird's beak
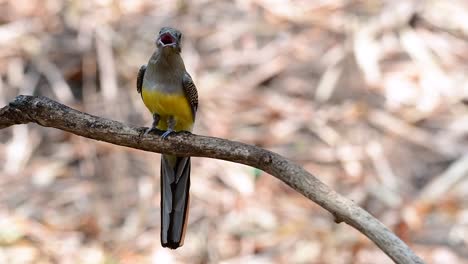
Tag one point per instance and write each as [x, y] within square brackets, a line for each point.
[167, 39]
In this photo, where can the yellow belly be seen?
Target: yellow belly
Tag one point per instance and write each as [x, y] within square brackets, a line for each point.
[166, 105]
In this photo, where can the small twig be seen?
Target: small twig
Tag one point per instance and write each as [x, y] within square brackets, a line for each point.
[105, 58]
[48, 113]
[444, 182]
[413, 134]
[264, 72]
[59, 86]
[329, 79]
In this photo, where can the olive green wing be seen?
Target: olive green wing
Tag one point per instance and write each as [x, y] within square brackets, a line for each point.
[190, 92]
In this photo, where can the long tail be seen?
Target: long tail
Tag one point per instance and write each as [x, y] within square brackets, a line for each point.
[175, 185]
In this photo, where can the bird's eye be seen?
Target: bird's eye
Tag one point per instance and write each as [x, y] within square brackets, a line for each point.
[179, 36]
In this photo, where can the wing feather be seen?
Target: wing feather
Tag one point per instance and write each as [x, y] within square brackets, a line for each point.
[141, 75]
[190, 92]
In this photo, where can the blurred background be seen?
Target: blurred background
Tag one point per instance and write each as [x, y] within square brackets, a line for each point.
[369, 96]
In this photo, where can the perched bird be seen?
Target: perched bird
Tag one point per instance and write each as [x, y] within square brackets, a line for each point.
[170, 95]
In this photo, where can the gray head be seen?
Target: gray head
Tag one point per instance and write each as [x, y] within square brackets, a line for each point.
[169, 40]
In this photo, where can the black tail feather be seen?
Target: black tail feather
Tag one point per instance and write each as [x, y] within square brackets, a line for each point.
[175, 185]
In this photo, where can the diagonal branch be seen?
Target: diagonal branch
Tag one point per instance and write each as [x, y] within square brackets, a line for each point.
[48, 113]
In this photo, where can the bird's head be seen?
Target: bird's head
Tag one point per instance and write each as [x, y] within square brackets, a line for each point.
[169, 40]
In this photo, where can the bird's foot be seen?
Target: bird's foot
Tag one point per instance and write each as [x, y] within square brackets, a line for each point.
[165, 134]
[149, 130]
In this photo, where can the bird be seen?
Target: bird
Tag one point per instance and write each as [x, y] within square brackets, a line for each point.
[169, 93]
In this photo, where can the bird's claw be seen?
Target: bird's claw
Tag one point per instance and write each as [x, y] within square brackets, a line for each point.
[165, 134]
[149, 130]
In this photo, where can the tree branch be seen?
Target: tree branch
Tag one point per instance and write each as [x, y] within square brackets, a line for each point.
[48, 113]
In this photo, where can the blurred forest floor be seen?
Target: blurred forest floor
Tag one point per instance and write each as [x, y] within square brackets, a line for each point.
[370, 96]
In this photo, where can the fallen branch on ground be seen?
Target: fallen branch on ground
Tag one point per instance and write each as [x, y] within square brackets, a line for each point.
[48, 113]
